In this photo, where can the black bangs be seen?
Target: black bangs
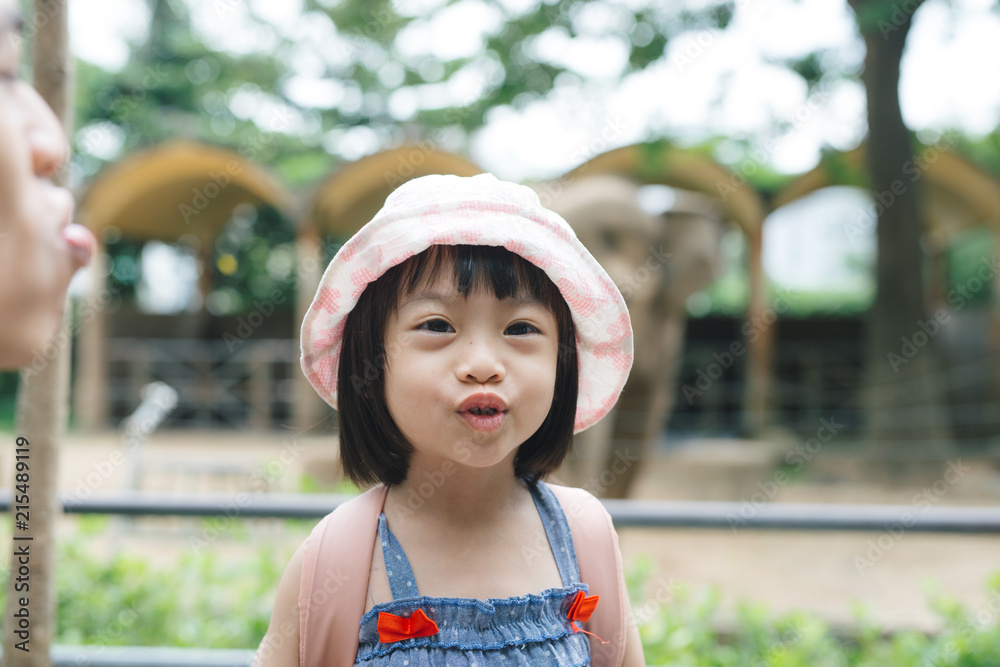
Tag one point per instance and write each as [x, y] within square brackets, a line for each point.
[480, 270]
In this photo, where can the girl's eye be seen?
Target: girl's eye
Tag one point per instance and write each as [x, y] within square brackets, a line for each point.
[519, 325]
[434, 322]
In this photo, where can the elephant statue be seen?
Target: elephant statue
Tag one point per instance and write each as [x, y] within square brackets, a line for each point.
[657, 262]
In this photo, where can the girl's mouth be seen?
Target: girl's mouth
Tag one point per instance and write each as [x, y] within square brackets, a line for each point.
[486, 420]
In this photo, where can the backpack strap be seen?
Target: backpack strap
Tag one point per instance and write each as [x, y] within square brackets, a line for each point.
[597, 553]
[334, 583]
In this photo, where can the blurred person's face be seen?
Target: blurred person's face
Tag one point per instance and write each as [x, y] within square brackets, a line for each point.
[39, 249]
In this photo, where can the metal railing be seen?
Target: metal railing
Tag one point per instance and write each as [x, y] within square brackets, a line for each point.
[624, 513]
[147, 656]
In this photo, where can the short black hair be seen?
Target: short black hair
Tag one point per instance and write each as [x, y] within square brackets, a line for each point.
[372, 448]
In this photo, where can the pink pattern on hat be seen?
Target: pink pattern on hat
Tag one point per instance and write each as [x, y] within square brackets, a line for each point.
[443, 239]
[399, 259]
[622, 361]
[620, 327]
[327, 298]
[516, 247]
[326, 372]
[471, 236]
[327, 338]
[360, 278]
[541, 261]
[585, 304]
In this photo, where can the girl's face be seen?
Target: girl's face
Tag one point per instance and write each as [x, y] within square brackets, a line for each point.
[442, 349]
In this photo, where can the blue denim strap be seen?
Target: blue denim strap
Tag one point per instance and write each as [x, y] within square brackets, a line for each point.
[397, 566]
[558, 532]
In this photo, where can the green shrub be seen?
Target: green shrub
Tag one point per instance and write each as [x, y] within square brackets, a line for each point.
[202, 600]
[684, 630]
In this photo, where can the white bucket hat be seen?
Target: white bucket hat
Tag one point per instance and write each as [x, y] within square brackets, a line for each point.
[477, 210]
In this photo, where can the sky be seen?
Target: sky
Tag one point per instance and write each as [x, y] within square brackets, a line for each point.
[710, 83]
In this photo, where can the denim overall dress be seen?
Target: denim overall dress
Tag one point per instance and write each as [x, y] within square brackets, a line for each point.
[523, 630]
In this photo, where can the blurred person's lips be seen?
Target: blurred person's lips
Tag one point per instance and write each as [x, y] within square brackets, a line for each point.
[79, 240]
[81, 243]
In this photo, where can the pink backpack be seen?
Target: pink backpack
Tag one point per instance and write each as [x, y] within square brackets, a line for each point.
[338, 557]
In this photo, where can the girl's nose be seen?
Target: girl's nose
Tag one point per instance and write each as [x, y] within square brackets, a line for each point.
[48, 143]
[481, 363]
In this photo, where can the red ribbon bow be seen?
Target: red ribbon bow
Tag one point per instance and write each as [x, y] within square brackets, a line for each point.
[393, 628]
[581, 609]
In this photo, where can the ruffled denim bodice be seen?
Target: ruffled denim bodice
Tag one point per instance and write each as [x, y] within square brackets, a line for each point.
[523, 630]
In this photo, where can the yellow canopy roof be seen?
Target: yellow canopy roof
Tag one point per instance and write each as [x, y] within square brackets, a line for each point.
[176, 189]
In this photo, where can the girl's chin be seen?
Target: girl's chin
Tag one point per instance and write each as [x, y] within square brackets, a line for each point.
[482, 456]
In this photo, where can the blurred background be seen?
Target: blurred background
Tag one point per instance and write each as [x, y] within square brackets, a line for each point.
[799, 200]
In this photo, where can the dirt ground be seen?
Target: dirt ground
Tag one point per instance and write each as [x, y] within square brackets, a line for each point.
[820, 572]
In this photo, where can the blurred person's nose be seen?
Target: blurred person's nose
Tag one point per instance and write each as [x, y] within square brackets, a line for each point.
[46, 138]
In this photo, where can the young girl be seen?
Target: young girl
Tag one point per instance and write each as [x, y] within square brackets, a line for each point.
[464, 335]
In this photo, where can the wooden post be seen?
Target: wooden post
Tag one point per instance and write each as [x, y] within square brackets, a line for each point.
[42, 406]
[308, 408]
[757, 396]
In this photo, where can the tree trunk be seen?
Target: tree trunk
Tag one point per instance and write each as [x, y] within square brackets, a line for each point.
[902, 398]
[41, 414]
